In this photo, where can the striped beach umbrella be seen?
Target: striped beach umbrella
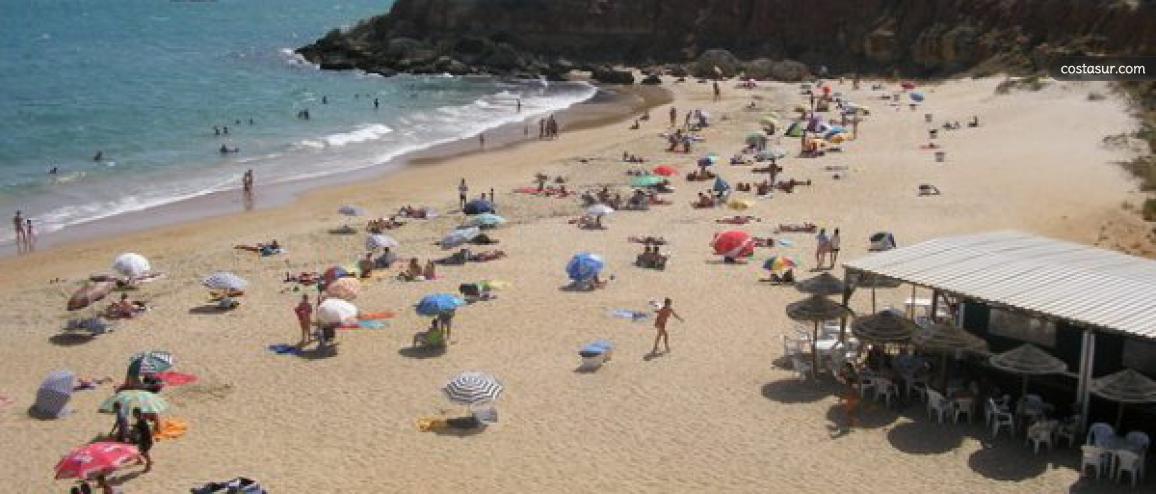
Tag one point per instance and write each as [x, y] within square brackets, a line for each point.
[379, 241]
[94, 459]
[472, 388]
[149, 363]
[225, 281]
[146, 401]
[778, 264]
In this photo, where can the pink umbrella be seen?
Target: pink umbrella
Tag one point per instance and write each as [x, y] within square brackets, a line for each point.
[95, 459]
[666, 171]
[344, 288]
[733, 244]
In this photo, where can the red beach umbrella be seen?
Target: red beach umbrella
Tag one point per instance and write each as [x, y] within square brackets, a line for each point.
[95, 459]
[733, 244]
[908, 85]
[666, 171]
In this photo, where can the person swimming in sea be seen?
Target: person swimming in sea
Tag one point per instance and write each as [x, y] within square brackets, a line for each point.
[226, 149]
[99, 156]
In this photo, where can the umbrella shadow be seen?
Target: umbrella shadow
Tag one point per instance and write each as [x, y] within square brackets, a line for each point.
[721, 262]
[39, 414]
[71, 339]
[871, 415]
[797, 391]
[576, 287]
[204, 310]
[318, 353]
[924, 437]
[422, 352]
[455, 432]
[1007, 463]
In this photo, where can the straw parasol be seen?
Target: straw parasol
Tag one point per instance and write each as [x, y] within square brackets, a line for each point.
[816, 309]
[884, 327]
[824, 284]
[945, 339]
[1028, 360]
[1125, 387]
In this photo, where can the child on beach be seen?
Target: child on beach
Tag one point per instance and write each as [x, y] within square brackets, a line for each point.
[660, 325]
[304, 311]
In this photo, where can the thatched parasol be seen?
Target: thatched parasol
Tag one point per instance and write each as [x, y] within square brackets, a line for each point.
[824, 284]
[945, 339]
[1028, 360]
[1126, 386]
[884, 327]
[816, 309]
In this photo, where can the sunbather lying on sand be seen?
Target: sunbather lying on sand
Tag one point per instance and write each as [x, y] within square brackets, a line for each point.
[806, 227]
[788, 186]
[486, 256]
[699, 175]
[588, 222]
[704, 201]
[124, 308]
[772, 168]
[930, 145]
[412, 212]
[381, 224]
[304, 278]
[738, 220]
[647, 240]
[928, 190]
[483, 239]
[268, 249]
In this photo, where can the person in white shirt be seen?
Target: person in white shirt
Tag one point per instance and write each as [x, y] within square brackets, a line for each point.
[834, 247]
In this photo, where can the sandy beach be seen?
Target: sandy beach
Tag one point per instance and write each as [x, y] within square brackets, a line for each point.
[713, 415]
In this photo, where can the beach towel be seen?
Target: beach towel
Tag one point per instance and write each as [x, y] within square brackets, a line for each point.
[632, 315]
[176, 378]
[784, 242]
[375, 316]
[171, 428]
[283, 349]
[370, 324]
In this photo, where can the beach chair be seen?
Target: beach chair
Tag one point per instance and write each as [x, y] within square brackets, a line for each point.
[1127, 461]
[937, 406]
[1040, 433]
[1098, 432]
[1092, 457]
[1001, 417]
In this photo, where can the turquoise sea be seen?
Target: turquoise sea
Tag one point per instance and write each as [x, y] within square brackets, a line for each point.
[144, 82]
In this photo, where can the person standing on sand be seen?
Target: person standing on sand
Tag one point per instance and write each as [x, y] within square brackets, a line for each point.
[144, 438]
[29, 236]
[541, 128]
[247, 181]
[822, 247]
[834, 247]
[304, 311]
[18, 225]
[717, 92]
[463, 189]
[482, 140]
[673, 116]
[519, 103]
[493, 199]
[660, 325]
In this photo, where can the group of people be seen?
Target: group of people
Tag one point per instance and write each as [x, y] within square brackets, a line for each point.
[547, 128]
[25, 234]
[827, 248]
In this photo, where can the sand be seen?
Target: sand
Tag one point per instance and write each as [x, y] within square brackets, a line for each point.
[714, 415]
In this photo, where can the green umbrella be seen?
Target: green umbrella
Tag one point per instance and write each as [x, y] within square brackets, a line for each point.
[147, 402]
[646, 181]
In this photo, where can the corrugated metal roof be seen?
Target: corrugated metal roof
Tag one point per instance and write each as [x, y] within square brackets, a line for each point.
[1089, 286]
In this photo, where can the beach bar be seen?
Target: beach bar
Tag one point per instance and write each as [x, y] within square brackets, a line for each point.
[1092, 308]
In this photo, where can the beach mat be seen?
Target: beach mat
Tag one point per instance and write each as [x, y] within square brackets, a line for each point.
[368, 324]
[171, 428]
[176, 378]
[283, 349]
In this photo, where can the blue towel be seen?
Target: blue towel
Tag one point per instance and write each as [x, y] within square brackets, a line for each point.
[371, 324]
[283, 349]
[629, 314]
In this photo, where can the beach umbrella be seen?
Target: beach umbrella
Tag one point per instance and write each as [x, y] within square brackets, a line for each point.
[721, 185]
[665, 171]
[89, 294]
[333, 274]
[816, 309]
[733, 244]
[1027, 360]
[599, 210]
[823, 284]
[796, 129]
[478, 206]
[1125, 387]
[225, 281]
[344, 288]
[131, 265]
[460, 236]
[485, 220]
[916, 97]
[380, 241]
[149, 363]
[100, 458]
[886, 326]
[773, 153]
[584, 266]
[336, 311]
[350, 210]
[472, 388]
[947, 339]
[769, 121]
[646, 181]
[146, 401]
[778, 264]
[438, 303]
[54, 393]
[755, 138]
[907, 85]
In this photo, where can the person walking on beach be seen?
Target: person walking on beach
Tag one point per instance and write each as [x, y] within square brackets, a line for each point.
[519, 103]
[541, 128]
[673, 116]
[144, 437]
[833, 244]
[717, 92]
[482, 140]
[247, 182]
[660, 325]
[493, 199]
[29, 236]
[18, 225]
[304, 311]
[463, 190]
[822, 247]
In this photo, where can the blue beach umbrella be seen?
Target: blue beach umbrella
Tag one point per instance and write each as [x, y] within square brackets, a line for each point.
[721, 185]
[478, 206]
[485, 220]
[916, 97]
[584, 266]
[438, 303]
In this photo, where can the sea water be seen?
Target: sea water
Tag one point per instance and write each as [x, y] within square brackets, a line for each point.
[144, 83]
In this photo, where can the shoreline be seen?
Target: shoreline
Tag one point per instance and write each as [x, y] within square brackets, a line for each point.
[608, 105]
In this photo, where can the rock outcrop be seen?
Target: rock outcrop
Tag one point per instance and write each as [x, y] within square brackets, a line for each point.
[918, 37]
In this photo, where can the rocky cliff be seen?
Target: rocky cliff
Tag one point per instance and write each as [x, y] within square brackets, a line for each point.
[918, 37]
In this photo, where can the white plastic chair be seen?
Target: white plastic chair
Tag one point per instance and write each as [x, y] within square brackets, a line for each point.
[1040, 433]
[1001, 417]
[917, 386]
[866, 383]
[887, 389]
[1092, 457]
[937, 405]
[1127, 461]
[1068, 429]
[801, 367]
[962, 406]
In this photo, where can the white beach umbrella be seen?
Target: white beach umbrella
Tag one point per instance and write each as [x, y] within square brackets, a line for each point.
[225, 280]
[599, 210]
[379, 241]
[131, 265]
[336, 311]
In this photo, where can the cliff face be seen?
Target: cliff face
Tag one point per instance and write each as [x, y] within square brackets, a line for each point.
[916, 36]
